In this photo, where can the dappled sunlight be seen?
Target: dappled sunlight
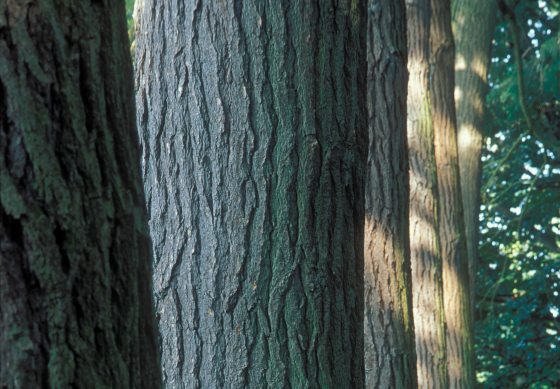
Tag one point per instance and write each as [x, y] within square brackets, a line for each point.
[425, 261]
[457, 94]
[458, 320]
[473, 64]
[426, 269]
[430, 364]
[460, 63]
[465, 140]
[384, 312]
[479, 67]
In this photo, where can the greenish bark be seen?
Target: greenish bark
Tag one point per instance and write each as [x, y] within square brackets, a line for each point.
[456, 291]
[390, 359]
[427, 287]
[473, 29]
[76, 308]
[252, 118]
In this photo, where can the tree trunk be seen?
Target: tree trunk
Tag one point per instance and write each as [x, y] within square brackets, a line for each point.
[459, 335]
[252, 119]
[473, 29]
[427, 288]
[76, 306]
[390, 360]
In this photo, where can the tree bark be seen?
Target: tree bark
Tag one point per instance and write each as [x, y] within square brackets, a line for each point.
[427, 288]
[473, 29]
[75, 288]
[252, 119]
[459, 337]
[390, 360]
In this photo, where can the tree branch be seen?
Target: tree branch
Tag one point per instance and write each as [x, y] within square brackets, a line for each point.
[509, 15]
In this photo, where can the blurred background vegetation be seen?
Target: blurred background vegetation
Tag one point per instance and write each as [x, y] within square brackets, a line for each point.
[518, 284]
[518, 322]
[129, 19]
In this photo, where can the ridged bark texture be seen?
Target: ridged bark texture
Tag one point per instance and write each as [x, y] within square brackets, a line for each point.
[390, 360]
[75, 288]
[427, 287]
[459, 336]
[252, 118]
[473, 29]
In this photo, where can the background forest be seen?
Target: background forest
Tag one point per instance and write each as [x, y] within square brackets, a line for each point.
[518, 284]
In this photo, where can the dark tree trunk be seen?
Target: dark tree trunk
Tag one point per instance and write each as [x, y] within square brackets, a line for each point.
[76, 308]
[390, 360]
[427, 288]
[456, 293]
[252, 119]
[473, 29]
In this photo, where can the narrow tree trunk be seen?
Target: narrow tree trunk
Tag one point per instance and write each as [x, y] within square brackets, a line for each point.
[389, 332]
[252, 118]
[473, 29]
[459, 337]
[76, 306]
[427, 288]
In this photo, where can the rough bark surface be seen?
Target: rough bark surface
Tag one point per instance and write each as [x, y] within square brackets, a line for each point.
[252, 118]
[459, 337]
[473, 29]
[427, 288]
[390, 360]
[76, 306]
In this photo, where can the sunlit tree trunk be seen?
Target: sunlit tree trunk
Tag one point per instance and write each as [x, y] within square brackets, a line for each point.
[427, 289]
[473, 29]
[75, 293]
[253, 124]
[389, 332]
[459, 337]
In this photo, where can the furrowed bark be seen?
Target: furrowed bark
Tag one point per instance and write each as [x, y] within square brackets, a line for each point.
[390, 360]
[76, 306]
[252, 119]
[473, 29]
[459, 337]
[427, 288]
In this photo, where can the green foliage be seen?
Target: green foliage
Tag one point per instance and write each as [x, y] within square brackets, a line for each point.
[518, 318]
[129, 20]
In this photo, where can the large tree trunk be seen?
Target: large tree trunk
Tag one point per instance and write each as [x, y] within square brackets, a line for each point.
[459, 337]
[76, 307]
[252, 118]
[427, 288]
[473, 29]
[390, 360]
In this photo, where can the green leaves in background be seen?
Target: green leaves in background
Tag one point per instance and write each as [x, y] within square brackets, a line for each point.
[518, 321]
[130, 21]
